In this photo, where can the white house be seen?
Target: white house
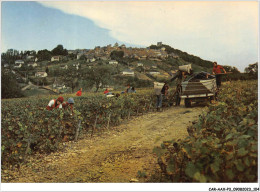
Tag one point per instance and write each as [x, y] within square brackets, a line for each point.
[64, 66]
[113, 62]
[163, 48]
[140, 64]
[92, 59]
[57, 85]
[154, 66]
[17, 62]
[55, 58]
[33, 64]
[18, 65]
[6, 65]
[41, 74]
[29, 57]
[79, 55]
[128, 72]
[154, 72]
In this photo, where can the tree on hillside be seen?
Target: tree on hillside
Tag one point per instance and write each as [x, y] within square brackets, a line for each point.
[117, 54]
[70, 77]
[10, 87]
[44, 55]
[154, 47]
[231, 69]
[73, 56]
[10, 56]
[59, 50]
[98, 76]
[252, 68]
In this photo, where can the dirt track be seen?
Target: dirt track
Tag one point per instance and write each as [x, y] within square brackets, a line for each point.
[113, 156]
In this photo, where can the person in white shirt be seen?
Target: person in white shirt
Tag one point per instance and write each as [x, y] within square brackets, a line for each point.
[55, 103]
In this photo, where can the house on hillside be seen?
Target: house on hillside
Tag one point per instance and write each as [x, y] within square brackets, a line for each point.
[70, 51]
[173, 55]
[64, 66]
[92, 60]
[55, 58]
[17, 62]
[140, 64]
[113, 62]
[143, 57]
[79, 56]
[41, 74]
[154, 66]
[58, 85]
[29, 57]
[103, 57]
[16, 66]
[33, 64]
[154, 72]
[6, 65]
[128, 72]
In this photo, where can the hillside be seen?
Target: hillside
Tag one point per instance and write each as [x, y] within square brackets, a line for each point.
[138, 67]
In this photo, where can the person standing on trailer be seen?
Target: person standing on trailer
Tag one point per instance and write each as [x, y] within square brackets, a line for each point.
[217, 71]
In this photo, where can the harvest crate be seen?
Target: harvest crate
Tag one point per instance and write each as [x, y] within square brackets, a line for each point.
[199, 90]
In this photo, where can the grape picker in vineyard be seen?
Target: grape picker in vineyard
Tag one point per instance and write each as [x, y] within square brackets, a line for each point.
[69, 105]
[160, 91]
[164, 90]
[106, 91]
[55, 103]
[217, 71]
[79, 93]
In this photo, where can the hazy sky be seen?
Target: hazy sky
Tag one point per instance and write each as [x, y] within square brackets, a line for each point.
[226, 32]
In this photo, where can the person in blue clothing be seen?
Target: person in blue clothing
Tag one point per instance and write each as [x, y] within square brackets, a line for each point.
[69, 105]
[132, 90]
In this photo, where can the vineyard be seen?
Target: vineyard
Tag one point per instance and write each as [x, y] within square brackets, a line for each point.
[27, 127]
[222, 144]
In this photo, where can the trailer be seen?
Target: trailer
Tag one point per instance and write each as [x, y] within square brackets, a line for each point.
[199, 87]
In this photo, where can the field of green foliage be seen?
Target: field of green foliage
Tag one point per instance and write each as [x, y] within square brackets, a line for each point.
[222, 144]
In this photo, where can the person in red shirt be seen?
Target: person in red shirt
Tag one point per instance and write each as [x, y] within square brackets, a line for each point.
[79, 93]
[217, 71]
[106, 91]
[55, 104]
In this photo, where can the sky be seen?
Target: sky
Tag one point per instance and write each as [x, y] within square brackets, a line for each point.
[222, 31]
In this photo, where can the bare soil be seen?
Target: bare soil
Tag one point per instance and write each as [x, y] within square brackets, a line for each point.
[113, 156]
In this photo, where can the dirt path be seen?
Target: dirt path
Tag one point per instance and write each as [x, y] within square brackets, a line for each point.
[114, 156]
